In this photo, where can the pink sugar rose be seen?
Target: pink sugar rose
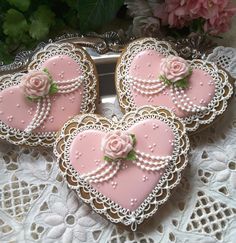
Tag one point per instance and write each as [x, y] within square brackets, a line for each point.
[117, 144]
[35, 84]
[174, 68]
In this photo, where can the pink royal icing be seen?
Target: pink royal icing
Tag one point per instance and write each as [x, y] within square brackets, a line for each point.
[131, 185]
[16, 111]
[146, 65]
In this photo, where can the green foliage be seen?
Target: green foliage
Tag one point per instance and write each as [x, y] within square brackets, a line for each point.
[25, 22]
[15, 24]
[41, 21]
[22, 5]
[94, 13]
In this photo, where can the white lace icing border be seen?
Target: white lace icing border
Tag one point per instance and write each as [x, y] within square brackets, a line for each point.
[152, 203]
[216, 107]
[89, 98]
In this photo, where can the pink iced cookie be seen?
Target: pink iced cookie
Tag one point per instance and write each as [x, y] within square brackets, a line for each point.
[139, 81]
[35, 122]
[129, 184]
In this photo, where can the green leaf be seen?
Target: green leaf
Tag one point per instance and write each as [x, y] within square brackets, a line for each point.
[41, 21]
[53, 89]
[30, 98]
[15, 24]
[183, 83]
[196, 25]
[71, 3]
[131, 155]
[108, 159]
[38, 30]
[22, 5]
[134, 139]
[94, 13]
[165, 80]
[49, 75]
[4, 53]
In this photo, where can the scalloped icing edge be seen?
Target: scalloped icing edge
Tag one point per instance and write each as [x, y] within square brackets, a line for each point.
[89, 99]
[100, 203]
[194, 123]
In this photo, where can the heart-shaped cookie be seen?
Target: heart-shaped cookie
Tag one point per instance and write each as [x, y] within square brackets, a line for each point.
[60, 83]
[124, 170]
[149, 72]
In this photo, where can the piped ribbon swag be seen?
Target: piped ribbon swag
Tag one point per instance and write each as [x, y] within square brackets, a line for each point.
[38, 86]
[174, 72]
[117, 147]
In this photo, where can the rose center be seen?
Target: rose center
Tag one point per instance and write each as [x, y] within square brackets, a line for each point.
[70, 219]
[36, 82]
[176, 67]
[115, 145]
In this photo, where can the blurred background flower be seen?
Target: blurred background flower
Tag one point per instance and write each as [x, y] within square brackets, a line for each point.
[25, 23]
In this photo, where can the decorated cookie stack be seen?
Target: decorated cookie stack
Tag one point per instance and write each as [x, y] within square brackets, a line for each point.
[124, 170]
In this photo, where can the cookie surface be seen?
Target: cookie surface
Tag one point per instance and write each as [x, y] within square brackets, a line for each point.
[138, 82]
[125, 180]
[35, 120]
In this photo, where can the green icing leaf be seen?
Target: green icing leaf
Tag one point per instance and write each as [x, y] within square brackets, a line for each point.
[53, 89]
[30, 98]
[108, 159]
[182, 83]
[41, 21]
[94, 13]
[134, 139]
[131, 155]
[22, 5]
[15, 24]
[165, 80]
[49, 75]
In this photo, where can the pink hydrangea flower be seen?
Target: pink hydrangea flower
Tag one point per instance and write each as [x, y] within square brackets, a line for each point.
[173, 13]
[216, 13]
[220, 23]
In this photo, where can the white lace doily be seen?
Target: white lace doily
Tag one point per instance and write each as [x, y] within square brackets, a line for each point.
[37, 206]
